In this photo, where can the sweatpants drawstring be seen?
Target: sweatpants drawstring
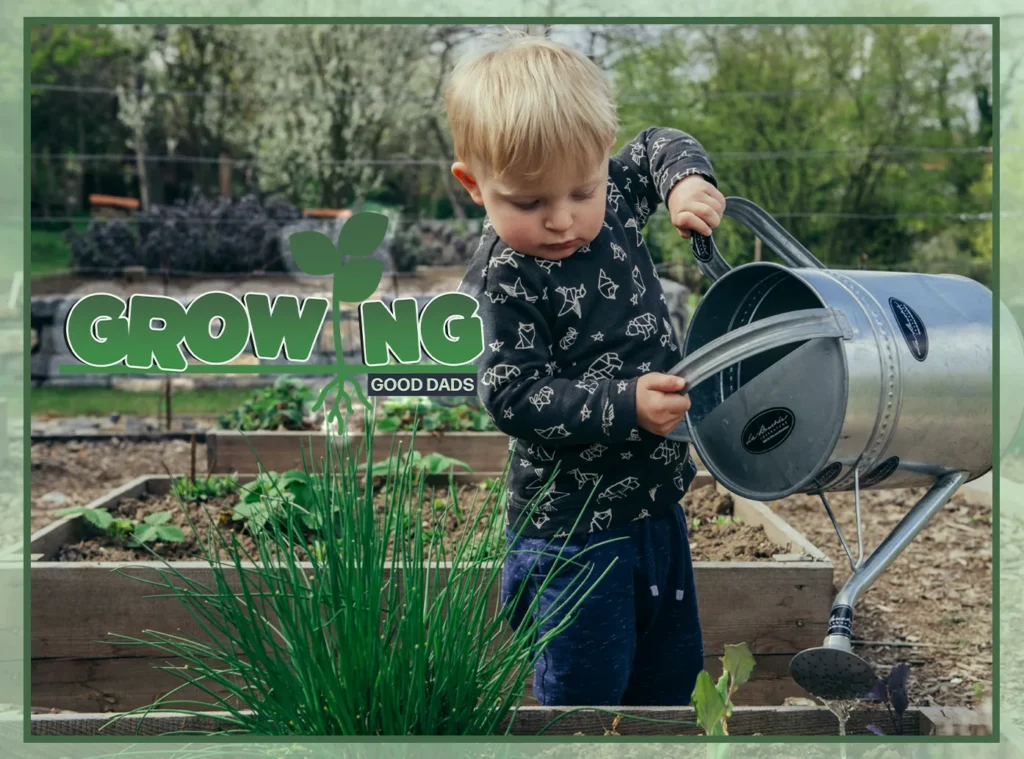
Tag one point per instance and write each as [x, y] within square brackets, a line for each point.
[680, 564]
[652, 571]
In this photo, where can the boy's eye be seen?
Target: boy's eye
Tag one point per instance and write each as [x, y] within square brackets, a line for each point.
[584, 195]
[526, 205]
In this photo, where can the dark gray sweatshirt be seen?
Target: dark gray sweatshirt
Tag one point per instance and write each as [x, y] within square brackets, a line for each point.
[565, 343]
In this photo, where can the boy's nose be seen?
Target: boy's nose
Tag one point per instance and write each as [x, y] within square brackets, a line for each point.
[559, 221]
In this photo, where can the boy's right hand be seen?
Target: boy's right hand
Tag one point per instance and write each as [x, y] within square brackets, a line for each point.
[659, 406]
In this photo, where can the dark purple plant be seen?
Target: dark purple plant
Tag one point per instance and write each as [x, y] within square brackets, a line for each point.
[893, 693]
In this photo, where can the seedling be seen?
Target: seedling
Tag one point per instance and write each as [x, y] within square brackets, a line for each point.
[191, 490]
[153, 527]
[893, 693]
[713, 701]
[432, 464]
[424, 413]
[284, 405]
[271, 496]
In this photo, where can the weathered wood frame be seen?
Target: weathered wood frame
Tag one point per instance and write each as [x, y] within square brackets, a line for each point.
[232, 451]
[777, 607]
[635, 721]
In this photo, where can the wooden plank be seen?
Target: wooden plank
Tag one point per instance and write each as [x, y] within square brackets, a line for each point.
[777, 528]
[773, 607]
[69, 529]
[126, 683]
[951, 721]
[745, 720]
[232, 451]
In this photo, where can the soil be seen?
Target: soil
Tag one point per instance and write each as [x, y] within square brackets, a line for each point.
[75, 473]
[198, 520]
[934, 601]
[716, 537]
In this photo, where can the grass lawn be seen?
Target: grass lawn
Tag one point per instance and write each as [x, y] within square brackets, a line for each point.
[102, 401]
[50, 254]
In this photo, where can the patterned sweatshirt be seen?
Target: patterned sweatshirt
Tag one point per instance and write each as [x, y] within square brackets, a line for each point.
[566, 341]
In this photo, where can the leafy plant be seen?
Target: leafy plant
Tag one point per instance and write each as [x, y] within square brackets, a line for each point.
[214, 486]
[200, 234]
[272, 497]
[893, 693]
[424, 413]
[713, 701]
[284, 405]
[153, 527]
[433, 463]
[346, 645]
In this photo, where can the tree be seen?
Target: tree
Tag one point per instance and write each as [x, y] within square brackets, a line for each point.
[831, 128]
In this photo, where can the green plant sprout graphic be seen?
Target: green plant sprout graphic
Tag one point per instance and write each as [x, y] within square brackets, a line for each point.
[315, 254]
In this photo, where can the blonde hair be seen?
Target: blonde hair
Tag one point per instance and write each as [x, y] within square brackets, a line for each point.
[525, 105]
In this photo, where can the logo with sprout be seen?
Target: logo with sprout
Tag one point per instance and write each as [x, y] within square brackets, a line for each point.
[151, 333]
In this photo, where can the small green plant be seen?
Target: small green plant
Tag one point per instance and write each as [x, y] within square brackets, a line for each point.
[191, 490]
[270, 498]
[433, 463]
[424, 413]
[154, 527]
[713, 701]
[286, 404]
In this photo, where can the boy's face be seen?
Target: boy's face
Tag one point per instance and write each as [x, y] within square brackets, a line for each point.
[551, 217]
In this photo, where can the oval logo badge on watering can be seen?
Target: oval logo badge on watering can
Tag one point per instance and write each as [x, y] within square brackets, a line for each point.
[912, 327]
[767, 430]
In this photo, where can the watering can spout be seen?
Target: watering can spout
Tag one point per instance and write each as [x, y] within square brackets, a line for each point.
[832, 670]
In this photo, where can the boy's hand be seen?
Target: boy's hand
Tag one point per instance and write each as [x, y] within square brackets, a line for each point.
[695, 204]
[659, 407]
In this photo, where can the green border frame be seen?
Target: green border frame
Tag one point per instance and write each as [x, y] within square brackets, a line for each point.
[994, 21]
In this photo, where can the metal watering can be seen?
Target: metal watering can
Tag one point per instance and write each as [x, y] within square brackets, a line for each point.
[805, 379]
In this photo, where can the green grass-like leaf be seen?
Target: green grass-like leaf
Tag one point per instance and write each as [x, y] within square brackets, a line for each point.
[338, 644]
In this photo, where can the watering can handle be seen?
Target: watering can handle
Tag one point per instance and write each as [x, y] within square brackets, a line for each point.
[748, 341]
[764, 226]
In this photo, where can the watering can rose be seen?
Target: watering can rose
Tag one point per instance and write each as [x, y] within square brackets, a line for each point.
[103, 330]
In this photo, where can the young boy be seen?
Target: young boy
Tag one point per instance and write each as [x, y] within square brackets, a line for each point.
[578, 339]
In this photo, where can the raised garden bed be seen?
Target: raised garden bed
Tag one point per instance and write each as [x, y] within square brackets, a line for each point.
[634, 721]
[233, 451]
[279, 450]
[777, 602]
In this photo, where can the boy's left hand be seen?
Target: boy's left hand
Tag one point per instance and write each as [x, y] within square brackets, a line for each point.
[695, 204]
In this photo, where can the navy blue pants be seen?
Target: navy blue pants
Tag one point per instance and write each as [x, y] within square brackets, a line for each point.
[636, 639]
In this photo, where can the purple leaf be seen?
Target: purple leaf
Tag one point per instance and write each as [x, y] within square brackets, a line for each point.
[878, 693]
[898, 688]
[875, 729]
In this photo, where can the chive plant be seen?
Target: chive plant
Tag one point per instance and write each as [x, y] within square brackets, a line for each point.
[342, 640]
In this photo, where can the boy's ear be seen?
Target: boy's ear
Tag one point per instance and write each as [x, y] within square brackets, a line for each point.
[461, 172]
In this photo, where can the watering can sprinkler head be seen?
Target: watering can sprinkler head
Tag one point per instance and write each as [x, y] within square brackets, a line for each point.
[832, 670]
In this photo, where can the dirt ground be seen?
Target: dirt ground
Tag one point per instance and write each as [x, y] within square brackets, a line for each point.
[75, 473]
[85, 471]
[933, 605]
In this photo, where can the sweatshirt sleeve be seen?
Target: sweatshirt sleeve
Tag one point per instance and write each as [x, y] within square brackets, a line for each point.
[518, 378]
[653, 162]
